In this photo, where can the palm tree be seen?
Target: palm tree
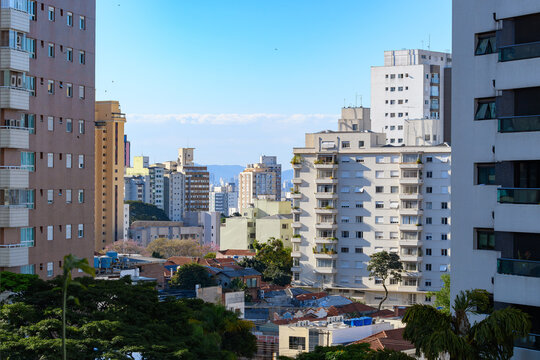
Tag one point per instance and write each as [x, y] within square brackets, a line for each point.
[435, 333]
[71, 263]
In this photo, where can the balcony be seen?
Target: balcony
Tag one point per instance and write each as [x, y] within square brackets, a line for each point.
[296, 268]
[326, 195]
[410, 211]
[296, 254]
[532, 341]
[410, 227]
[14, 98]
[526, 123]
[13, 216]
[14, 59]
[518, 267]
[14, 137]
[326, 270]
[296, 195]
[296, 225]
[14, 177]
[13, 255]
[326, 240]
[412, 274]
[519, 51]
[326, 211]
[296, 165]
[410, 257]
[296, 210]
[326, 226]
[411, 181]
[327, 255]
[412, 166]
[326, 181]
[326, 165]
[296, 239]
[410, 196]
[296, 181]
[528, 196]
[14, 19]
[408, 242]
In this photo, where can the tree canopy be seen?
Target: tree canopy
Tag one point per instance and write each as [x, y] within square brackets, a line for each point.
[143, 211]
[175, 247]
[384, 265]
[115, 320]
[189, 275]
[273, 260]
[442, 297]
[436, 333]
[350, 352]
[126, 247]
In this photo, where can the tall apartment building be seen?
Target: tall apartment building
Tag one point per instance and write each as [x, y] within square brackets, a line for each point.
[109, 173]
[46, 134]
[224, 198]
[259, 181]
[144, 181]
[354, 196]
[496, 172]
[197, 181]
[412, 84]
[174, 185]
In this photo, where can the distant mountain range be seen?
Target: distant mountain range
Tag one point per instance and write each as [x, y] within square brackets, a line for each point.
[230, 173]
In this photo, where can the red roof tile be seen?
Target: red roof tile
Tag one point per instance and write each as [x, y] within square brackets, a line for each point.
[311, 296]
[355, 307]
[239, 252]
[387, 339]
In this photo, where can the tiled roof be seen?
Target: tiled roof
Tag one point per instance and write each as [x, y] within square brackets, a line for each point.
[355, 307]
[387, 339]
[240, 252]
[311, 296]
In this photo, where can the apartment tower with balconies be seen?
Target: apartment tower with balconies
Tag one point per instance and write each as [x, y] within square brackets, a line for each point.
[46, 134]
[496, 156]
[354, 196]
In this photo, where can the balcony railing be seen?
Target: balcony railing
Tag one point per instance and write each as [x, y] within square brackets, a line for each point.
[518, 267]
[519, 123]
[21, 5]
[530, 196]
[519, 51]
[531, 341]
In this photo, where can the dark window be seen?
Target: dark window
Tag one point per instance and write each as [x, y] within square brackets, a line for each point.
[485, 109]
[485, 43]
[297, 343]
[379, 189]
[359, 250]
[344, 249]
[429, 189]
[485, 174]
[428, 252]
[485, 239]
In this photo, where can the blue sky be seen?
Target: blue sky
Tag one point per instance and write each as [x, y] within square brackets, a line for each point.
[236, 78]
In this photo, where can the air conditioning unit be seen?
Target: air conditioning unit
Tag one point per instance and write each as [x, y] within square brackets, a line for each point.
[19, 81]
[13, 80]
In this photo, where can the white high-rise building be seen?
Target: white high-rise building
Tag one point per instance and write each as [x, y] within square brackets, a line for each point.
[412, 85]
[174, 195]
[223, 198]
[260, 181]
[354, 196]
[496, 156]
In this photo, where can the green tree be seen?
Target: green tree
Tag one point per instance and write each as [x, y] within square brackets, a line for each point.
[16, 282]
[187, 276]
[71, 263]
[175, 247]
[210, 255]
[436, 333]
[273, 260]
[126, 247]
[442, 297]
[143, 211]
[384, 265]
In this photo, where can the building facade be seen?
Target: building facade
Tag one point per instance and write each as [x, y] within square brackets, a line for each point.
[410, 85]
[47, 134]
[259, 181]
[196, 180]
[127, 152]
[223, 199]
[109, 174]
[496, 197]
[353, 196]
[145, 181]
[174, 185]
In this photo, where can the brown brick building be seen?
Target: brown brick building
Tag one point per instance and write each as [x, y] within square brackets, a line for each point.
[47, 133]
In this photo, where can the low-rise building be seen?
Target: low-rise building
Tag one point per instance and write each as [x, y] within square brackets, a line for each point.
[304, 336]
[273, 217]
[144, 232]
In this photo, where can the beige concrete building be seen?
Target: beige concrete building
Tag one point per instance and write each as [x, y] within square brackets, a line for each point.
[353, 196]
[46, 134]
[259, 181]
[109, 173]
[144, 232]
[263, 220]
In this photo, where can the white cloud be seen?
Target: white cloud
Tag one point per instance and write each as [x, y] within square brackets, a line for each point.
[227, 119]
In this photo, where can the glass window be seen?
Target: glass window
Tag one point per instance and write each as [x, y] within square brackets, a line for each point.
[50, 123]
[485, 239]
[50, 51]
[68, 231]
[485, 174]
[27, 237]
[81, 92]
[69, 54]
[486, 43]
[69, 90]
[50, 87]
[80, 230]
[81, 196]
[81, 126]
[82, 57]
[51, 13]
[50, 232]
[50, 160]
[69, 125]
[32, 10]
[81, 161]
[50, 271]
[50, 196]
[68, 196]
[69, 19]
[28, 160]
[485, 109]
[82, 22]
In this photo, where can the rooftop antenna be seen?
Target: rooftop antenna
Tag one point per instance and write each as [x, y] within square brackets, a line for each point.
[356, 100]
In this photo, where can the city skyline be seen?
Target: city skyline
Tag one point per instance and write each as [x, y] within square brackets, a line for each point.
[229, 70]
